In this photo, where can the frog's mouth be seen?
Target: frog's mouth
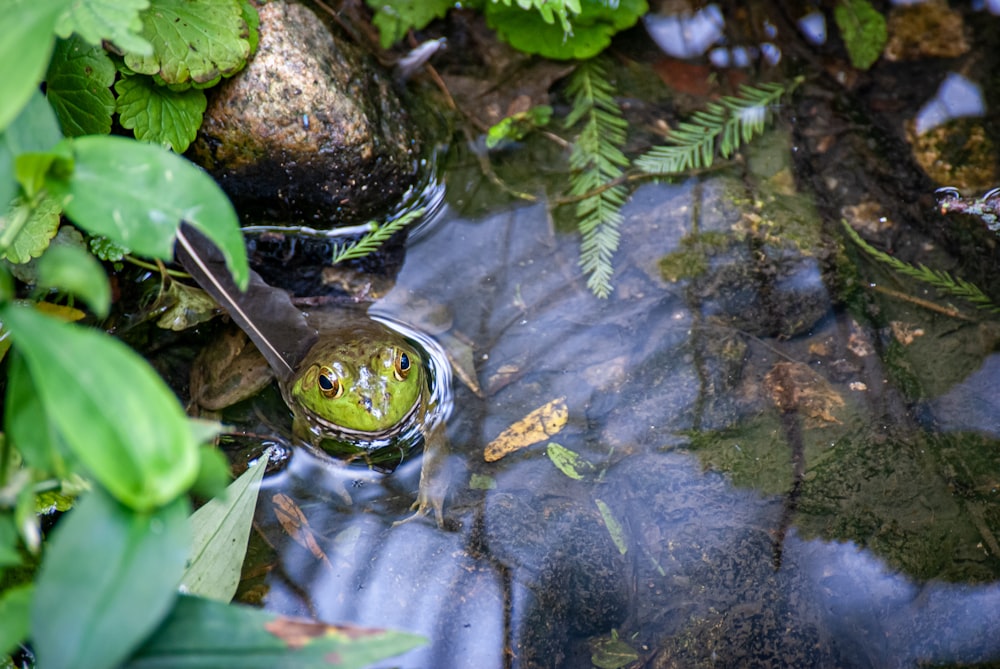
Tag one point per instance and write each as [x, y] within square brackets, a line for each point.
[330, 430]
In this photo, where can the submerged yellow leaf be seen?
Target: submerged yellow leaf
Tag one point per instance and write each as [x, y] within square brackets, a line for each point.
[542, 423]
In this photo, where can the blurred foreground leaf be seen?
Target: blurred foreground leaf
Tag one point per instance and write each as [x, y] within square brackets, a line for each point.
[113, 411]
[108, 578]
[138, 194]
[201, 633]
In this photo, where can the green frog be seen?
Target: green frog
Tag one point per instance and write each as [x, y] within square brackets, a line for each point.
[360, 386]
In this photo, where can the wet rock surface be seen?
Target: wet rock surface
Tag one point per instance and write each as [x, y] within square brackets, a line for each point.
[312, 131]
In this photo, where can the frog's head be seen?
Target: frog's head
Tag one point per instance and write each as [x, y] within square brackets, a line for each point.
[366, 391]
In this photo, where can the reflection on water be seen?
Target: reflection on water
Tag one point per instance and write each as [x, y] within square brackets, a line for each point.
[787, 456]
[665, 378]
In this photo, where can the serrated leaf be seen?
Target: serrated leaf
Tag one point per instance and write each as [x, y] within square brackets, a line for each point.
[863, 30]
[592, 28]
[106, 250]
[138, 194]
[117, 21]
[193, 42]
[78, 86]
[37, 231]
[158, 114]
[25, 50]
[395, 19]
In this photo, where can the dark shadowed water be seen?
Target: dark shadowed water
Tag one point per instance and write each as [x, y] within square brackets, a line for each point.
[789, 453]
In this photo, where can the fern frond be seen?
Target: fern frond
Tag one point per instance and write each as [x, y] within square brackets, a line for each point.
[371, 241]
[722, 126]
[938, 278]
[597, 159]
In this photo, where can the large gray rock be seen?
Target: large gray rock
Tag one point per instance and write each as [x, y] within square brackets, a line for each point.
[312, 131]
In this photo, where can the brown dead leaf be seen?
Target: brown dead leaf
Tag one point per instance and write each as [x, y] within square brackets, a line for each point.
[794, 386]
[297, 632]
[542, 423]
[296, 525]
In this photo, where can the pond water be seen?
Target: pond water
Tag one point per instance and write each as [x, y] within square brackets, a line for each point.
[789, 454]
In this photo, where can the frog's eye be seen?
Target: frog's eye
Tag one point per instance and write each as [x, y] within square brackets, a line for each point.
[329, 384]
[401, 365]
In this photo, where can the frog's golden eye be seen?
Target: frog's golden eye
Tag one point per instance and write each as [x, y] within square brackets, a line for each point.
[401, 365]
[329, 384]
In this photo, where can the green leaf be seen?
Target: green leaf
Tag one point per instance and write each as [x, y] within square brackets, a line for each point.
[371, 241]
[591, 32]
[34, 437]
[15, 604]
[158, 114]
[72, 270]
[193, 42]
[863, 30]
[201, 633]
[25, 50]
[34, 130]
[221, 531]
[117, 21]
[615, 529]
[112, 410]
[36, 227]
[9, 555]
[137, 195]
[568, 462]
[108, 578]
[78, 86]
[395, 19]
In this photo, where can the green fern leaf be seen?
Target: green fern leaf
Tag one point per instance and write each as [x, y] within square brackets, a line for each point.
[371, 241]
[938, 278]
[596, 160]
[721, 127]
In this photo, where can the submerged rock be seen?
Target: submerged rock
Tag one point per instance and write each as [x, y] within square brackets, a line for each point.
[311, 132]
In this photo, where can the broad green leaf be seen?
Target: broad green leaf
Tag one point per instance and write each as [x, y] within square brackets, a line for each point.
[15, 604]
[113, 411]
[72, 270]
[137, 194]
[158, 114]
[9, 556]
[221, 530]
[213, 467]
[109, 577]
[24, 423]
[394, 20]
[193, 42]
[34, 130]
[36, 226]
[201, 633]
[593, 28]
[24, 51]
[78, 86]
[117, 21]
[863, 30]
